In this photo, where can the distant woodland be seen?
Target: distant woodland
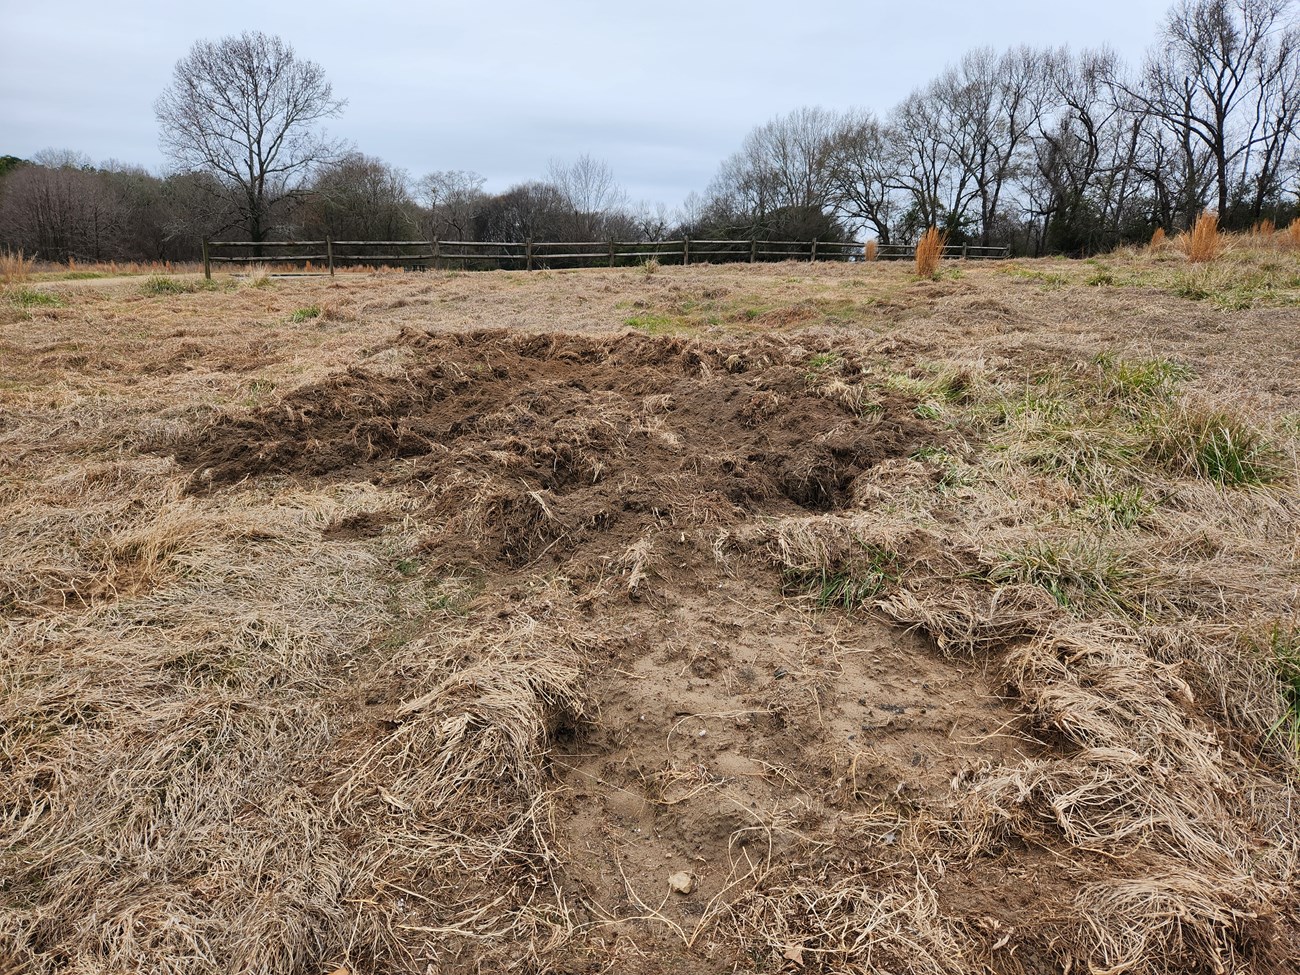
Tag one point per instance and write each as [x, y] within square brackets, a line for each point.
[1044, 151]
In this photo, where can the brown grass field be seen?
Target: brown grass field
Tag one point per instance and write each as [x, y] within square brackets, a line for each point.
[775, 618]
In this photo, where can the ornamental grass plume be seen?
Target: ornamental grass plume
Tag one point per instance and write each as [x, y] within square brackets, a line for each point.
[929, 249]
[1204, 243]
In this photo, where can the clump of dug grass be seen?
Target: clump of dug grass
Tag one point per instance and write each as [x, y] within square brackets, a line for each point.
[929, 250]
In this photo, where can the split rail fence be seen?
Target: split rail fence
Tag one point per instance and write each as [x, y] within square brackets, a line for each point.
[326, 255]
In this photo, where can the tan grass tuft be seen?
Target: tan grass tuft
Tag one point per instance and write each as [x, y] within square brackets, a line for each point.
[14, 267]
[1204, 243]
[1159, 240]
[872, 251]
[1293, 233]
[929, 251]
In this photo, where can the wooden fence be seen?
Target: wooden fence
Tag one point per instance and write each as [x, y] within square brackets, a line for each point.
[533, 255]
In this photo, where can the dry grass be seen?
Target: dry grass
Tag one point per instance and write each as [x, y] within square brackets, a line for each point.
[14, 267]
[1204, 243]
[929, 251]
[871, 251]
[1159, 240]
[230, 737]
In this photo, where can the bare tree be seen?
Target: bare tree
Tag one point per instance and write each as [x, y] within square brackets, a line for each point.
[362, 198]
[451, 199]
[863, 167]
[780, 182]
[930, 169]
[528, 211]
[245, 108]
[591, 196]
[1224, 78]
[62, 207]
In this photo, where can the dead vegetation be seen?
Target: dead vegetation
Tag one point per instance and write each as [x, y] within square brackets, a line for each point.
[935, 626]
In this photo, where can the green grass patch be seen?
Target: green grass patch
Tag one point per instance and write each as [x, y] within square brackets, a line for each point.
[1214, 445]
[943, 384]
[1122, 508]
[824, 360]
[305, 314]
[160, 286]
[1140, 378]
[1236, 286]
[1279, 647]
[847, 588]
[1082, 575]
[33, 298]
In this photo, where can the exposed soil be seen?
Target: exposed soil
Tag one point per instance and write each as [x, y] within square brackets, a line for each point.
[542, 444]
[732, 730]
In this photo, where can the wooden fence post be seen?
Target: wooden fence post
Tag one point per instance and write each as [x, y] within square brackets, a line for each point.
[686, 251]
[753, 249]
[611, 252]
[207, 262]
[528, 254]
[813, 258]
[329, 255]
[963, 251]
[436, 251]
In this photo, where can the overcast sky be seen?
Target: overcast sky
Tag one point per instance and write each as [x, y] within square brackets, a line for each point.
[661, 90]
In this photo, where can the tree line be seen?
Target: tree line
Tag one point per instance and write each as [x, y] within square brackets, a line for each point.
[1041, 150]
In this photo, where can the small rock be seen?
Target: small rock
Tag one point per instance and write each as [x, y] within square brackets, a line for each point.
[681, 882]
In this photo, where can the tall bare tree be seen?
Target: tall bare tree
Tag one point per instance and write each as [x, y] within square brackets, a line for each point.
[592, 197]
[451, 199]
[864, 173]
[1224, 78]
[246, 109]
[780, 182]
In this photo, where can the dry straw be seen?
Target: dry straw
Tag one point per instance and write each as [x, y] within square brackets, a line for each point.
[929, 250]
[166, 656]
[872, 251]
[1159, 240]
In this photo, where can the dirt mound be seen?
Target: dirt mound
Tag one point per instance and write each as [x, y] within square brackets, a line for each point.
[534, 444]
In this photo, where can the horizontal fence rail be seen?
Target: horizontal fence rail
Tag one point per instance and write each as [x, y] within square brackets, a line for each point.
[536, 255]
